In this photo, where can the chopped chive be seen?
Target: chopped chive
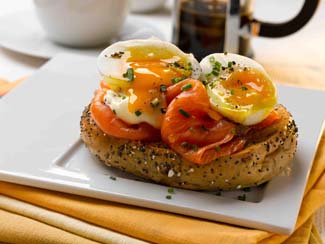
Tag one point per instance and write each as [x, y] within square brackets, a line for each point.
[242, 197]
[244, 88]
[171, 190]
[168, 197]
[155, 102]
[124, 97]
[129, 74]
[184, 113]
[218, 148]
[138, 113]
[229, 64]
[217, 66]
[232, 92]
[225, 53]
[163, 88]
[215, 73]
[112, 177]
[186, 87]
[177, 65]
[114, 111]
[177, 79]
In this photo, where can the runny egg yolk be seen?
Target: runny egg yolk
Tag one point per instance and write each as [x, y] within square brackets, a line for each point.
[247, 87]
[144, 90]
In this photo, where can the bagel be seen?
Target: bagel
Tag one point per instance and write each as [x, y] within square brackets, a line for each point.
[267, 153]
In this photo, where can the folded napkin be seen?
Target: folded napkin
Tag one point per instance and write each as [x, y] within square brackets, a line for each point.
[33, 215]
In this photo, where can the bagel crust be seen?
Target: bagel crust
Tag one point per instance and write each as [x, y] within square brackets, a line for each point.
[267, 153]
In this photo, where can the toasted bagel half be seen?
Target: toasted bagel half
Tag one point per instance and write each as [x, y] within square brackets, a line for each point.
[267, 153]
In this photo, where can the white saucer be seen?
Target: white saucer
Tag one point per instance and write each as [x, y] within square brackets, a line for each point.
[22, 33]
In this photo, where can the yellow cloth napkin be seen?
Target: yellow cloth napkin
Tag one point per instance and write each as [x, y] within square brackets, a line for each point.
[19, 226]
[6, 86]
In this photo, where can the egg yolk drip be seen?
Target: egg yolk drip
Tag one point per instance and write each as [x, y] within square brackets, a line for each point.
[145, 90]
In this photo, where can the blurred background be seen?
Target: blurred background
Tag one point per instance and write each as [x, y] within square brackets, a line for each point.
[283, 57]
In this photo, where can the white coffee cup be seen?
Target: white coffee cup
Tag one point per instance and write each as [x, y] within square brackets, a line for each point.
[81, 23]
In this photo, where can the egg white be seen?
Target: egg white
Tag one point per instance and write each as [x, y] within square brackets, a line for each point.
[246, 115]
[113, 69]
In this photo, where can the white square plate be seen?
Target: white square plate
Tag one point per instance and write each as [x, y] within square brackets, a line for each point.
[40, 146]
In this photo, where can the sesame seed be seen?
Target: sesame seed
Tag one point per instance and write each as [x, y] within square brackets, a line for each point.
[191, 170]
[171, 173]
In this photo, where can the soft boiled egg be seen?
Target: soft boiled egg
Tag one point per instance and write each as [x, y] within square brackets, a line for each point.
[138, 73]
[239, 88]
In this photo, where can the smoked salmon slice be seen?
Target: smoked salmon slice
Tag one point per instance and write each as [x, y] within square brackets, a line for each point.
[192, 128]
[107, 121]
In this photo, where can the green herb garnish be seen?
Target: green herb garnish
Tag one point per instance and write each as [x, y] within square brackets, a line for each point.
[218, 148]
[186, 87]
[129, 74]
[171, 190]
[215, 73]
[230, 63]
[163, 88]
[244, 88]
[184, 113]
[177, 79]
[232, 92]
[177, 65]
[168, 197]
[112, 177]
[138, 113]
